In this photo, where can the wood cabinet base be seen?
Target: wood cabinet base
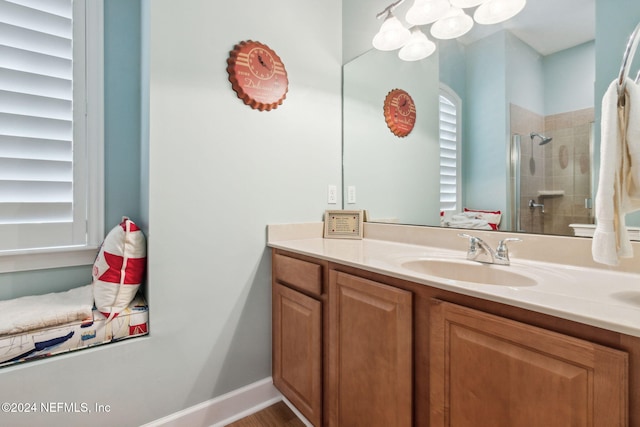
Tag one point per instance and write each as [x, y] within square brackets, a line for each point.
[488, 370]
[370, 353]
[357, 348]
[297, 350]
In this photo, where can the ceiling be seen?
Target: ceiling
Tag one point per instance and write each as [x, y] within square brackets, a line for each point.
[548, 26]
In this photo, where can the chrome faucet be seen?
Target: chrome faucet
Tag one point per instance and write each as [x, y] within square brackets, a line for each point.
[533, 205]
[480, 251]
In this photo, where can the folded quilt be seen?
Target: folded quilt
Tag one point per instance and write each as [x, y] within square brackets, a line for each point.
[40, 311]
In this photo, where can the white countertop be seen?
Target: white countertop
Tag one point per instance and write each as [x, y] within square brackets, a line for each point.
[598, 297]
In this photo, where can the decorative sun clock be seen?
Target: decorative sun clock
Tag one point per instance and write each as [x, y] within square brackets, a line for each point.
[257, 75]
[399, 112]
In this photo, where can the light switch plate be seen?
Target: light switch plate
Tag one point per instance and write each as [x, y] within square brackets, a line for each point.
[332, 194]
[351, 194]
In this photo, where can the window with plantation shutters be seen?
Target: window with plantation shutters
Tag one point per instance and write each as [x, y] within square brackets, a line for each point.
[449, 125]
[50, 149]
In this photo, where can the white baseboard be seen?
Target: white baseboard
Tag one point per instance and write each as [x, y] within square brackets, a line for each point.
[224, 409]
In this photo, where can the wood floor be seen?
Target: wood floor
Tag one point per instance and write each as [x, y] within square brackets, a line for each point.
[276, 415]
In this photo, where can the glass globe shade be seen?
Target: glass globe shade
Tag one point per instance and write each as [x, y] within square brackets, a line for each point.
[418, 47]
[425, 12]
[392, 35]
[464, 4]
[454, 24]
[495, 11]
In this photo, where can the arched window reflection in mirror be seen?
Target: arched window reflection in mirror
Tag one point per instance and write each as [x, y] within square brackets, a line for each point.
[450, 106]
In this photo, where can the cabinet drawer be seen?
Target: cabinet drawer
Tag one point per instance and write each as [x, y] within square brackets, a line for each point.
[303, 275]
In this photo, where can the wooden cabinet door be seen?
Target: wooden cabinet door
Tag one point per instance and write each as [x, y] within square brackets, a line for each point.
[370, 353]
[297, 350]
[494, 372]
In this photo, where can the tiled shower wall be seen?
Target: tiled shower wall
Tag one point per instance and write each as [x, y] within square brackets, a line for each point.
[556, 174]
[568, 167]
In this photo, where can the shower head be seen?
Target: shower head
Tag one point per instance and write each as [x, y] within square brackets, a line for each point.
[543, 139]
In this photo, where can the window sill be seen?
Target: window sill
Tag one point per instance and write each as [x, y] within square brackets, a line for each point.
[47, 258]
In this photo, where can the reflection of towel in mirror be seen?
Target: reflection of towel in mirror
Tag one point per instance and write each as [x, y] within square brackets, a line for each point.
[619, 180]
[467, 220]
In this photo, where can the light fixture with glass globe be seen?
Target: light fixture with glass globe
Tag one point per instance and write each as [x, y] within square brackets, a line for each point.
[418, 47]
[392, 34]
[447, 18]
[454, 24]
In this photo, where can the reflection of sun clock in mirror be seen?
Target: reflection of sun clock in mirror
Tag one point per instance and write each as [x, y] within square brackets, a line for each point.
[257, 75]
[399, 112]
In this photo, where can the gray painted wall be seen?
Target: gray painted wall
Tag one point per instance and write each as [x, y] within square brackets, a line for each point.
[569, 79]
[524, 76]
[394, 177]
[219, 172]
[485, 125]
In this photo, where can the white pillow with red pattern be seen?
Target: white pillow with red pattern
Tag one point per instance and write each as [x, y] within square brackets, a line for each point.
[492, 217]
[119, 268]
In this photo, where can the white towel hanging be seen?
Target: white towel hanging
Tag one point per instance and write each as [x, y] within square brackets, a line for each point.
[619, 180]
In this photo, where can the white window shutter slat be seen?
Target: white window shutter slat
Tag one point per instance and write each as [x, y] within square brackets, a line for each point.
[35, 213]
[35, 63]
[36, 40]
[35, 106]
[12, 125]
[17, 170]
[47, 16]
[35, 84]
[34, 192]
[14, 147]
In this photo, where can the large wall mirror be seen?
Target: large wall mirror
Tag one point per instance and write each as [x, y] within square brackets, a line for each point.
[523, 100]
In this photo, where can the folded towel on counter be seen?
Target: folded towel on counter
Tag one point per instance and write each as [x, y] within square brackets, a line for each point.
[39, 311]
[467, 220]
[619, 180]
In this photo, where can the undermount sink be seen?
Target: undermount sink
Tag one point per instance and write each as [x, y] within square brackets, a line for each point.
[469, 271]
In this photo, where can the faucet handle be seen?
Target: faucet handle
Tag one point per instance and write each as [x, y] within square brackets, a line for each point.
[476, 245]
[509, 239]
[502, 250]
[473, 240]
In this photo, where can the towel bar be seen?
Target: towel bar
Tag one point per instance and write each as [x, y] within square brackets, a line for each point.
[627, 58]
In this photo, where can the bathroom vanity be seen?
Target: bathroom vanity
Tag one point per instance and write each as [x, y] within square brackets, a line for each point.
[363, 337]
